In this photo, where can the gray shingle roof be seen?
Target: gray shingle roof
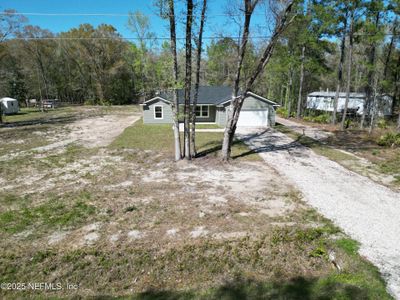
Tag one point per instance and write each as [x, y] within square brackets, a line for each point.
[207, 95]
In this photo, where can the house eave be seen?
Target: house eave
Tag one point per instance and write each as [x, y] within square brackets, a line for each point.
[154, 99]
[255, 96]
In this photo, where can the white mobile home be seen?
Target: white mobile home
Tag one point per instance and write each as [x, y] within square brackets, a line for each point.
[323, 101]
[9, 106]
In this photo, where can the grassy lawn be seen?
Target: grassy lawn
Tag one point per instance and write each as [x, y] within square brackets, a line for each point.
[127, 221]
[208, 126]
[160, 138]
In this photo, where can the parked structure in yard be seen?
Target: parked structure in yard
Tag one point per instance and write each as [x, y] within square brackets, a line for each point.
[212, 105]
[9, 105]
[323, 101]
[31, 102]
[50, 103]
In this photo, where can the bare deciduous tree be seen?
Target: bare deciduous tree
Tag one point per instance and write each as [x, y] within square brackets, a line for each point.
[175, 102]
[349, 65]
[340, 71]
[237, 100]
[188, 78]
[197, 82]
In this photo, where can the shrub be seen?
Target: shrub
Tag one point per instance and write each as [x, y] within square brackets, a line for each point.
[389, 139]
[382, 123]
[90, 102]
[324, 118]
[281, 111]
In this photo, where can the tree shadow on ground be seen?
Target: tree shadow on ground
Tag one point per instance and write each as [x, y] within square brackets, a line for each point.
[43, 120]
[297, 288]
[214, 147]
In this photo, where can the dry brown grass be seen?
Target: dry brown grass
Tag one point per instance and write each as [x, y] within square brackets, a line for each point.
[121, 222]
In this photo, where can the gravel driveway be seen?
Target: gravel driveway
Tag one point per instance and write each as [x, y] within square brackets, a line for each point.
[365, 210]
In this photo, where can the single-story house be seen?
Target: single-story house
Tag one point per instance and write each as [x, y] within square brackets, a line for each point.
[9, 105]
[323, 101]
[212, 105]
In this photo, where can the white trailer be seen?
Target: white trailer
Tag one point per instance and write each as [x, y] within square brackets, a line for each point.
[9, 106]
[323, 101]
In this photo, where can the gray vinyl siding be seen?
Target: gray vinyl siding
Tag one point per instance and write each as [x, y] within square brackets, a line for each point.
[271, 116]
[211, 114]
[216, 114]
[148, 113]
[221, 116]
[251, 103]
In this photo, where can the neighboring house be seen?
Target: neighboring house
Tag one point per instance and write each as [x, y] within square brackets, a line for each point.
[9, 106]
[212, 105]
[323, 101]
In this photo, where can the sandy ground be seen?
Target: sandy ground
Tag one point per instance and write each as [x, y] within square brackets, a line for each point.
[90, 132]
[365, 210]
[94, 132]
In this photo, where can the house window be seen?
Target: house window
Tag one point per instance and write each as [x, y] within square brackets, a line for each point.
[202, 111]
[158, 112]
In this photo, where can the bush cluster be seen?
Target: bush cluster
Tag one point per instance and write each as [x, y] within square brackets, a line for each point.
[389, 139]
[324, 118]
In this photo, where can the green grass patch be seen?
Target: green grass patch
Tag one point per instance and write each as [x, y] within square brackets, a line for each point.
[391, 166]
[32, 114]
[160, 138]
[246, 268]
[348, 245]
[56, 212]
[208, 126]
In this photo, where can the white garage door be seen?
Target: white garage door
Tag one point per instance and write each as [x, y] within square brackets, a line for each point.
[253, 118]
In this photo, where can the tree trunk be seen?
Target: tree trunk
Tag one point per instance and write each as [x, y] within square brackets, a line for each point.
[340, 73]
[349, 65]
[370, 97]
[1, 113]
[288, 93]
[231, 124]
[398, 123]
[175, 102]
[391, 44]
[237, 102]
[188, 77]
[395, 94]
[375, 105]
[299, 100]
[197, 82]
[387, 60]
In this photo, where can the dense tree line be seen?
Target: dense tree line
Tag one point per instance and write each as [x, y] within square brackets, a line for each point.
[96, 64]
[340, 45]
[84, 64]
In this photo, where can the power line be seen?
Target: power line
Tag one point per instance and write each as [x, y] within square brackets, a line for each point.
[162, 37]
[128, 38]
[107, 14]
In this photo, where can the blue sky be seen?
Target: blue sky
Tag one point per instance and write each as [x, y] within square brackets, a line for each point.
[215, 22]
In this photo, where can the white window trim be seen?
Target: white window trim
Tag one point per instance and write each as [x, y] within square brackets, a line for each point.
[201, 111]
[162, 112]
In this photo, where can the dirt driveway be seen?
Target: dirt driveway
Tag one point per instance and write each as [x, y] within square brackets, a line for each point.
[312, 132]
[365, 210]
